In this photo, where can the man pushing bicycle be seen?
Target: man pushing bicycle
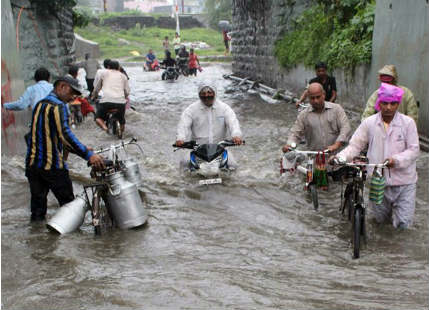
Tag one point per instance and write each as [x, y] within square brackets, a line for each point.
[323, 124]
[390, 136]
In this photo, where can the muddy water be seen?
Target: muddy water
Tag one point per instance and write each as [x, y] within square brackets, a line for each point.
[254, 242]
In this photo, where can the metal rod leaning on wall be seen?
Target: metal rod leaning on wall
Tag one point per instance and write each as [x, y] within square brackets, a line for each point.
[287, 96]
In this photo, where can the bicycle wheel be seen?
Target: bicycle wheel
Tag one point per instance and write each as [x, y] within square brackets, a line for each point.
[100, 216]
[314, 197]
[117, 129]
[357, 231]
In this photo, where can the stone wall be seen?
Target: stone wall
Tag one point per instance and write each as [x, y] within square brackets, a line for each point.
[127, 22]
[257, 26]
[44, 40]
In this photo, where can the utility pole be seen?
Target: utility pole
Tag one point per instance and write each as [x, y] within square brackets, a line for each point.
[183, 6]
[105, 5]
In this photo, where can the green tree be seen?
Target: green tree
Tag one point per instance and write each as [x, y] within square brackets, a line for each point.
[218, 10]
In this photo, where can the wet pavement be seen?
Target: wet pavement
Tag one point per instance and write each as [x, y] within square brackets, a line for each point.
[254, 242]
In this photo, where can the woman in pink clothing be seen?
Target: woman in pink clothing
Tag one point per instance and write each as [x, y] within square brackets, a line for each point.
[194, 62]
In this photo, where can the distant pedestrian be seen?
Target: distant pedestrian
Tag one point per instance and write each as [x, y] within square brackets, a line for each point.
[176, 43]
[226, 39]
[194, 62]
[165, 43]
[328, 82]
[33, 94]
[91, 66]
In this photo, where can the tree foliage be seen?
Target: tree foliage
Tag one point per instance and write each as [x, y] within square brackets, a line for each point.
[218, 10]
[336, 32]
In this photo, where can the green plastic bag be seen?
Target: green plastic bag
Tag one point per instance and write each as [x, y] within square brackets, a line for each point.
[376, 187]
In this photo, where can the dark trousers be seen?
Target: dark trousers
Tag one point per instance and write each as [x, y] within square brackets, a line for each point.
[41, 181]
[90, 84]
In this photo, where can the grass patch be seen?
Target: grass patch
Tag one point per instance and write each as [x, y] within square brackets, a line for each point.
[141, 39]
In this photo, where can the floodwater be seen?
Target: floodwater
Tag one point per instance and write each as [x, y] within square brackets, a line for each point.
[254, 242]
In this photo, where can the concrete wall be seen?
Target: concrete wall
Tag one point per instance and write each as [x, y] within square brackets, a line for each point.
[401, 37]
[12, 86]
[83, 46]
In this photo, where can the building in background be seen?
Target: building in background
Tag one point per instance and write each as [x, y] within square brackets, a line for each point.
[146, 6]
[188, 7]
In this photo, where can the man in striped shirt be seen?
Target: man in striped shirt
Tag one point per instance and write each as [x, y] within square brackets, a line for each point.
[50, 134]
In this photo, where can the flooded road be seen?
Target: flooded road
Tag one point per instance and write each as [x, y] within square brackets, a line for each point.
[254, 242]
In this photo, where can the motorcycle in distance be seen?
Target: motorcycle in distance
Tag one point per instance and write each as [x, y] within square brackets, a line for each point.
[170, 74]
[182, 64]
[208, 160]
[113, 199]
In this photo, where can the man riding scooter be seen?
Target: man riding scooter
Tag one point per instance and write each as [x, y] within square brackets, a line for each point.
[169, 64]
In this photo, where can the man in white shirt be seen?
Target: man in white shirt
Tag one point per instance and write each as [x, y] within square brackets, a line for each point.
[208, 120]
[116, 90]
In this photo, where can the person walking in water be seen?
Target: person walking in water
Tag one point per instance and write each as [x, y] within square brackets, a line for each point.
[328, 82]
[45, 166]
[91, 66]
[33, 94]
[194, 62]
[390, 136]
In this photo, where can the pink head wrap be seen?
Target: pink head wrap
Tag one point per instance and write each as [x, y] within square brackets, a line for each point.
[388, 93]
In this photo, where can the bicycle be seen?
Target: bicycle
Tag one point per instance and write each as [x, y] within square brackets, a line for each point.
[308, 170]
[353, 197]
[102, 219]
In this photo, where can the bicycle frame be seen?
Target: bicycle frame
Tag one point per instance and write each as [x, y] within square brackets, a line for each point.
[354, 194]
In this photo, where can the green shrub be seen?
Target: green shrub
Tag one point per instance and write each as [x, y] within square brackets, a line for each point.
[340, 36]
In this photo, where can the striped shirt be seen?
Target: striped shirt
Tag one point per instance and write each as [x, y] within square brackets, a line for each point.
[49, 134]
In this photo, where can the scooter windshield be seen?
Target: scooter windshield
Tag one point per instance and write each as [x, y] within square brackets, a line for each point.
[208, 152]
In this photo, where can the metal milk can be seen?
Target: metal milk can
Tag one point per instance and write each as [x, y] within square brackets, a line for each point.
[132, 172]
[70, 216]
[124, 202]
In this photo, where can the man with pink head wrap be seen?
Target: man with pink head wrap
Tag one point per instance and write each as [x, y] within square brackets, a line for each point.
[390, 135]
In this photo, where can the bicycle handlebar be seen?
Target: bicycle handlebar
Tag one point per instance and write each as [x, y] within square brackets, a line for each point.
[193, 144]
[309, 152]
[121, 145]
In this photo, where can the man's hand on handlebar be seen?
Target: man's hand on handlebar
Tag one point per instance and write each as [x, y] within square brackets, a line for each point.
[332, 148]
[288, 147]
[237, 140]
[96, 161]
[390, 162]
[179, 143]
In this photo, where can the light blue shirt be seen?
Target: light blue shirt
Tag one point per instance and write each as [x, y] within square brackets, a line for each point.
[31, 96]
